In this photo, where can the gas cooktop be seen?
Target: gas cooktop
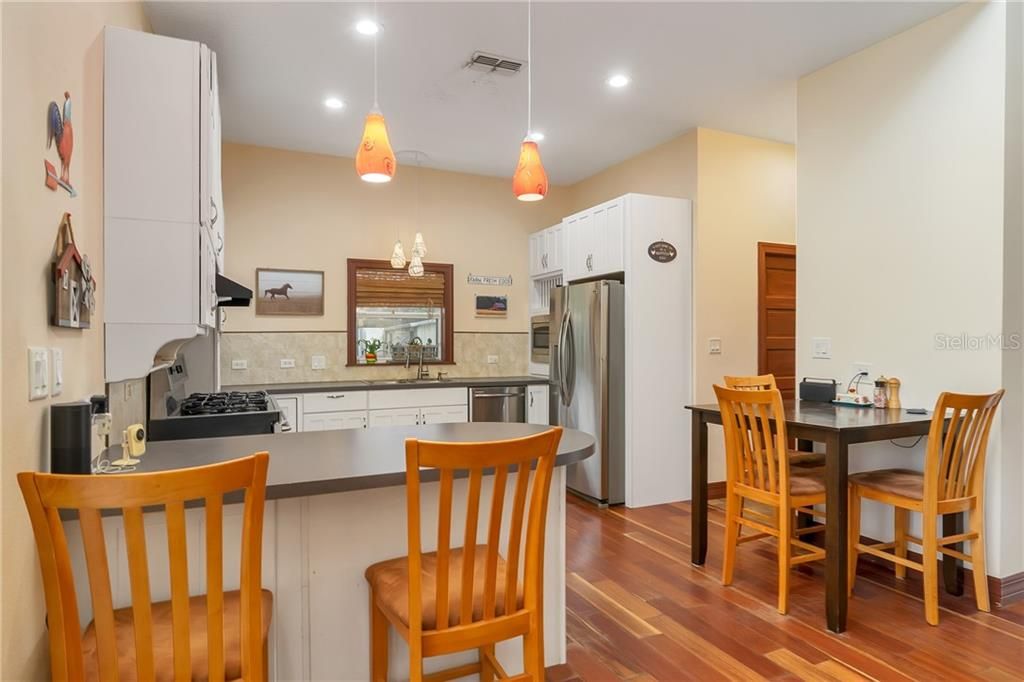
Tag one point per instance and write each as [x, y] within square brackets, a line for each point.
[224, 403]
[210, 415]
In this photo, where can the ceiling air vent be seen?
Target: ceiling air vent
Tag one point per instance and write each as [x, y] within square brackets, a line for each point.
[485, 61]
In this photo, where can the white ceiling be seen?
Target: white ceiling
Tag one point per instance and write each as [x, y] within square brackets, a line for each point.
[731, 66]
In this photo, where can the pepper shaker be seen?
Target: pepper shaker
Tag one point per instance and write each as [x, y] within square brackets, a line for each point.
[894, 393]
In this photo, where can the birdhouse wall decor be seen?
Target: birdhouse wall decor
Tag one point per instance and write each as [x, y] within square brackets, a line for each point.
[60, 131]
[74, 284]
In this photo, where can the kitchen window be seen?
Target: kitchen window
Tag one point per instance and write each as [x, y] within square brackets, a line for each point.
[394, 317]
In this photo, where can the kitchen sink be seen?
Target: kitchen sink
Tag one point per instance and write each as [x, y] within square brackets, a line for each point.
[393, 382]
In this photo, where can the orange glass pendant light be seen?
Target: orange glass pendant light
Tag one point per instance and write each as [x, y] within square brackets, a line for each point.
[375, 162]
[530, 182]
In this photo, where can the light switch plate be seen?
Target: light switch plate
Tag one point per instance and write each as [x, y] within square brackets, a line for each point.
[239, 364]
[38, 373]
[319, 362]
[821, 348]
[715, 346]
[57, 384]
[492, 359]
[287, 363]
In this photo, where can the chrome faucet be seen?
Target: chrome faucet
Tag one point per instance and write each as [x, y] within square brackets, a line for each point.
[421, 374]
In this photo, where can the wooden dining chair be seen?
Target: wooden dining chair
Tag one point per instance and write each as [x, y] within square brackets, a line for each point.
[758, 470]
[470, 597]
[953, 481]
[217, 636]
[766, 382]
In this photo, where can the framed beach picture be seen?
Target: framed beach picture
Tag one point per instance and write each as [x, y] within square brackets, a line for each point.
[491, 306]
[289, 292]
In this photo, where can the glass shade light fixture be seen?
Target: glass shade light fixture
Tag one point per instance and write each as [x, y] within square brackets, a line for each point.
[530, 181]
[398, 255]
[375, 162]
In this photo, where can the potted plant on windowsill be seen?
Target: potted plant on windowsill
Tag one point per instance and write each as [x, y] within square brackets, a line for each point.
[370, 348]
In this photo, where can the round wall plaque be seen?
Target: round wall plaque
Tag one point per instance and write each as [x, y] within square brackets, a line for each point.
[662, 252]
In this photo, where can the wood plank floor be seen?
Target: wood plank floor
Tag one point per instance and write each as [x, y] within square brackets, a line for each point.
[638, 610]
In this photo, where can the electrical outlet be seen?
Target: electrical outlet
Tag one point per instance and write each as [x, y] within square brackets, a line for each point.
[129, 391]
[822, 348]
[492, 359]
[319, 362]
[57, 384]
[287, 363]
[239, 364]
[864, 367]
[38, 373]
[714, 346]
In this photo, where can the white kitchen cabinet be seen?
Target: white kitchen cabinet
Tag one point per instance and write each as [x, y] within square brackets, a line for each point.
[399, 416]
[160, 246]
[537, 404]
[289, 406]
[334, 401]
[595, 240]
[334, 421]
[452, 414]
[546, 249]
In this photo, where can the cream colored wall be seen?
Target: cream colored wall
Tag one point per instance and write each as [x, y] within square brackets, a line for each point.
[744, 191]
[668, 170]
[289, 209]
[47, 49]
[900, 228]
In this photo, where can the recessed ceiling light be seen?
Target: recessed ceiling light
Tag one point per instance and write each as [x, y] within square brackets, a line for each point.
[619, 80]
[334, 103]
[536, 136]
[368, 27]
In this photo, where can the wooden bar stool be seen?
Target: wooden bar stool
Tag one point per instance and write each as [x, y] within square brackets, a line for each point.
[757, 470]
[217, 636]
[458, 599]
[766, 382]
[953, 481]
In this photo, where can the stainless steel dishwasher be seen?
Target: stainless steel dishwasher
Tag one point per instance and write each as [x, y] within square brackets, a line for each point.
[498, 404]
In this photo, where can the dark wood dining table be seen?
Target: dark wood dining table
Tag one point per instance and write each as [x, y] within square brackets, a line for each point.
[837, 427]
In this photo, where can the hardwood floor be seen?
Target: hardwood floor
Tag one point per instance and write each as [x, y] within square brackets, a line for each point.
[638, 610]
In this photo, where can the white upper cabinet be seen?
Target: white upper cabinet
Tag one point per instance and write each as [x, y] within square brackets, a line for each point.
[546, 249]
[595, 241]
[163, 246]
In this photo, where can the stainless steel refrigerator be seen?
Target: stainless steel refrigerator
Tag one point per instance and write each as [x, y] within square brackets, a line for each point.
[588, 382]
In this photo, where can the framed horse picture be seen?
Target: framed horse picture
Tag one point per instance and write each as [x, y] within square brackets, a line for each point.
[289, 292]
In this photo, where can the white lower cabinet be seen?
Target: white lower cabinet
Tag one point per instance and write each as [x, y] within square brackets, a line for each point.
[334, 421]
[289, 406]
[399, 416]
[537, 404]
[454, 414]
[363, 409]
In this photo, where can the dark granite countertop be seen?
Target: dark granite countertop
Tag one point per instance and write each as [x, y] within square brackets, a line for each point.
[319, 462]
[387, 384]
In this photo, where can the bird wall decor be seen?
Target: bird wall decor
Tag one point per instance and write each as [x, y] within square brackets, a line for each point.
[60, 130]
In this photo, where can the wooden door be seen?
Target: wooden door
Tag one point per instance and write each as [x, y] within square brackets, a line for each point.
[776, 314]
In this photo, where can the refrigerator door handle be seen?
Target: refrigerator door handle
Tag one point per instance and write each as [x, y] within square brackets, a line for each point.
[561, 357]
[570, 369]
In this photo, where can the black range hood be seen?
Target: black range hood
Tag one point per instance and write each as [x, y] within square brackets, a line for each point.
[231, 294]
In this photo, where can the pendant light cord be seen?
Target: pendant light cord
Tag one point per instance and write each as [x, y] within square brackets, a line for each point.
[529, 68]
[376, 38]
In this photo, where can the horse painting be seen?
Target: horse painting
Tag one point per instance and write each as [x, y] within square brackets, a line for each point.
[279, 291]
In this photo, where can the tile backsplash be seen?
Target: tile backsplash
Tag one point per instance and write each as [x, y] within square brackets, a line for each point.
[263, 352]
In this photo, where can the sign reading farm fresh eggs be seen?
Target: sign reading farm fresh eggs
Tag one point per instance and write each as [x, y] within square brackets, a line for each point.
[662, 252]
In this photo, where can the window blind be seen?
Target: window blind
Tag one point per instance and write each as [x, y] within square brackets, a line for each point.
[388, 287]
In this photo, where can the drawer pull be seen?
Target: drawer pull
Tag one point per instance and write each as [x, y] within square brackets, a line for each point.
[335, 396]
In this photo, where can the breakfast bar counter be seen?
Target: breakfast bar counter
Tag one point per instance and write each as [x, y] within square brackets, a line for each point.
[335, 505]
